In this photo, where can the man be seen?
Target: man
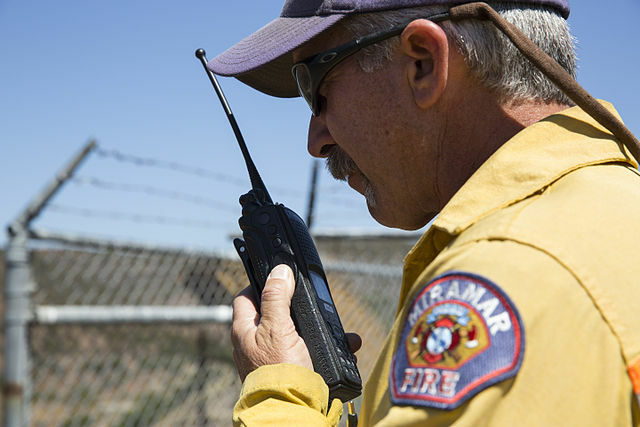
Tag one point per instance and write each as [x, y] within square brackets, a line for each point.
[517, 305]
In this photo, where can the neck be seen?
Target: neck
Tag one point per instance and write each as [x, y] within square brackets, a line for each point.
[481, 127]
[527, 114]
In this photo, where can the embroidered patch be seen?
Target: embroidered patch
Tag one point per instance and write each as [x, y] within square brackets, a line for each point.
[462, 334]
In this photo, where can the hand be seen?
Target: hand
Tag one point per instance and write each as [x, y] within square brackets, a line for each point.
[270, 338]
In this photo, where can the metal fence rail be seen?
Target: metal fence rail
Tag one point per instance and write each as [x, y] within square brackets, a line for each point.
[97, 314]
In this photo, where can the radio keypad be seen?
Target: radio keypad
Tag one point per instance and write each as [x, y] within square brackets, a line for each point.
[345, 356]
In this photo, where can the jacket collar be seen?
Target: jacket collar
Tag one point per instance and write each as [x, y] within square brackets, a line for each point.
[533, 159]
[530, 161]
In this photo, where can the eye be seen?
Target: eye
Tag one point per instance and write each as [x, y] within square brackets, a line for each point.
[321, 102]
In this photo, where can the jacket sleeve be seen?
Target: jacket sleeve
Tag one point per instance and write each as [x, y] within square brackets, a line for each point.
[285, 394]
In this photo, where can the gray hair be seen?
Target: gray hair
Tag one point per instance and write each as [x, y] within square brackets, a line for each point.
[490, 56]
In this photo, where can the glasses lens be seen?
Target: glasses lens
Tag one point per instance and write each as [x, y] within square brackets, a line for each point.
[303, 78]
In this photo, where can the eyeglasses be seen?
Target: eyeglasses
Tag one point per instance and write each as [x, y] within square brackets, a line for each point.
[310, 73]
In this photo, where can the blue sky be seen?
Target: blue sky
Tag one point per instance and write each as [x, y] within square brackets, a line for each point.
[124, 73]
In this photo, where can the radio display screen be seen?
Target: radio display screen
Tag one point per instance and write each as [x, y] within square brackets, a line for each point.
[321, 287]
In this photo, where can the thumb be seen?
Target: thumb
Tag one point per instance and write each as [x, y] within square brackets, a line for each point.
[276, 296]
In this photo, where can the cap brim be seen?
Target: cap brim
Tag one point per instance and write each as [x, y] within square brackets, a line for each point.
[264, 59]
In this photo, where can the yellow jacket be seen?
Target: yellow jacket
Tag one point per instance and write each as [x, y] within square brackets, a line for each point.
[545, 233]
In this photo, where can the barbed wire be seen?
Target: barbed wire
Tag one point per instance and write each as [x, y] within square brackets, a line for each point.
[163, 164]
[187, 169]
[138, 218]
[154, 191]
[222, 177]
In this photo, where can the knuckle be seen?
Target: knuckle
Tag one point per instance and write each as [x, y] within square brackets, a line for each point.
[242, 293]
[236, 302]
[278, 336]
[234, 337]
[237, 334]
[276, 290]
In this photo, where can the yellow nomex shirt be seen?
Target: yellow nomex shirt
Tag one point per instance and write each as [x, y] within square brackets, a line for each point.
[519, 306]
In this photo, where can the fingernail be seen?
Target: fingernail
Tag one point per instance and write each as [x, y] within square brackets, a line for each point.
[280, 272]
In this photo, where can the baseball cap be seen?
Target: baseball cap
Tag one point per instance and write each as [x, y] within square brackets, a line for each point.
[264, 59]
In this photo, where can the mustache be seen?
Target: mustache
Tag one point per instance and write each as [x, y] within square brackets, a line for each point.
[340, 165]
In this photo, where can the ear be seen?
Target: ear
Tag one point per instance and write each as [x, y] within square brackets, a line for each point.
[427, 68]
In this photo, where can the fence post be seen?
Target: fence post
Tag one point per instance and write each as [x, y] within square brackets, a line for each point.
[18, 287]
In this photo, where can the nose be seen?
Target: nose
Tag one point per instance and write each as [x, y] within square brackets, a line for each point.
[319, 140]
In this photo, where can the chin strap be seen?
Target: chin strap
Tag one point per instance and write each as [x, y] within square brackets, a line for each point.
[550, 68]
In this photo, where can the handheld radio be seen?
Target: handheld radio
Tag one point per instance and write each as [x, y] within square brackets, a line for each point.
[273, 234]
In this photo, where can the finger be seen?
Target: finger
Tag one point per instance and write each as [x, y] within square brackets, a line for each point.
[354, 341]
[276, 296]
[245, 316]
[244, 306]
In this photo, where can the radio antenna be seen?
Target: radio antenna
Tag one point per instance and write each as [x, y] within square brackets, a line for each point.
[254, 176]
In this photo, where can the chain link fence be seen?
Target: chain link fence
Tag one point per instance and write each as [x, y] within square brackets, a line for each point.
[116, 338]
[99, 333]
[117, 363]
